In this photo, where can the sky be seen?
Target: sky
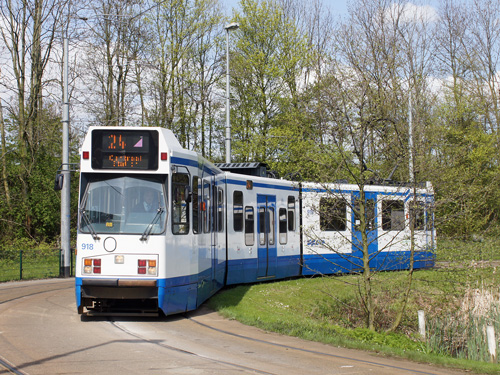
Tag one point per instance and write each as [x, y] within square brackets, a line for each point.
[336, 6]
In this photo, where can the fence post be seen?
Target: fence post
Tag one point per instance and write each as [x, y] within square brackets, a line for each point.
[20, 264]
[492, 344]
[61, 273]
[421, 323]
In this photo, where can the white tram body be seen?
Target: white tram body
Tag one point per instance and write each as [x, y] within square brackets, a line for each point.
[162, 229]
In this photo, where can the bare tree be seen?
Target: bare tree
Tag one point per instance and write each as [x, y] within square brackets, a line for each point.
[111, 60]
[381, 53]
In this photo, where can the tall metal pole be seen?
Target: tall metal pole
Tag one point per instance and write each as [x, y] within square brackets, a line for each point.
[66, 190]
[410, 139]
[231, 26]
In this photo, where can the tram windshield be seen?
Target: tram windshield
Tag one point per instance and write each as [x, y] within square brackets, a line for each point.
[127, 205]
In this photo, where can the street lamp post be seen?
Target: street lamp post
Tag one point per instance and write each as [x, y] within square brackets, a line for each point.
[231, 26]
[66, 188]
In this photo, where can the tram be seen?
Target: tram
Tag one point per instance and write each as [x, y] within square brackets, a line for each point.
[161, 229]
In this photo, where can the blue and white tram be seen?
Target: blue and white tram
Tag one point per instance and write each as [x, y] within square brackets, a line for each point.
[162, 229]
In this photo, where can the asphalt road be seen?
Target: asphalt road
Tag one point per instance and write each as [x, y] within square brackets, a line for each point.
[41, 333]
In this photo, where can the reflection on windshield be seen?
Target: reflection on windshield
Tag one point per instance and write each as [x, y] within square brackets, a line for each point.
[124, 205]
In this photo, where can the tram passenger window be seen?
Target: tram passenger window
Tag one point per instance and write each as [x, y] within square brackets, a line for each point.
[393, 215]
[283, 226]
[207, 207]
[220, 210]
[272, 222]
[418, 215]
[332, 214]
[196, 205]
[249, 226]
[238, 211]
[291, 213]
[180, 208]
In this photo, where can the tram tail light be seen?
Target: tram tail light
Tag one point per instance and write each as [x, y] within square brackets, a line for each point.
[91, 266]
[141, 269]
[147, 266]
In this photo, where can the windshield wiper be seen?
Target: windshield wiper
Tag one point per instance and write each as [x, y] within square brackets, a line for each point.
[149, 228]
[89, 225]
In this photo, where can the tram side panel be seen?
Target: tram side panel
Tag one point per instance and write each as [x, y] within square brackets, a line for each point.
[197, 232]
[241, 222]
[263, 229]
[332, 237]
[327, 229]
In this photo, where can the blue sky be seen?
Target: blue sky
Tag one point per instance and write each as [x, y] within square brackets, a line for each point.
[337, 7]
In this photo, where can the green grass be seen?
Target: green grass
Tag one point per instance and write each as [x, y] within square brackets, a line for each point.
[459, 251]
[327, 309]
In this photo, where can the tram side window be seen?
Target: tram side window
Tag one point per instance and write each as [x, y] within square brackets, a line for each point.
[272, 221]
[206, 207]
[262, 225]
[238, 211]
[220, 210]
[249, 226]
[291, 213]
[393, 215]
[332, 214]
[196, 205]
[180, 208]
[283, 226]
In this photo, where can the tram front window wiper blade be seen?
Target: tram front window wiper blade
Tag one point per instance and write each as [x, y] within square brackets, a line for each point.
[149, 228]
[86, 218]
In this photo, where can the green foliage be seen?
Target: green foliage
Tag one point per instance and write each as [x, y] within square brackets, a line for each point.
[32, 215]
[266, 69]
[465, 171]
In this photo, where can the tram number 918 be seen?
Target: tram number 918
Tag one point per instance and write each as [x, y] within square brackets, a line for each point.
[87, 246]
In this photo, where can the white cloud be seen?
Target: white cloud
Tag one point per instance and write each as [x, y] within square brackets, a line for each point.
[415, 13]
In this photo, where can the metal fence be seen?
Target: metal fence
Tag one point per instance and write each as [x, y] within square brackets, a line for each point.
[32, 264]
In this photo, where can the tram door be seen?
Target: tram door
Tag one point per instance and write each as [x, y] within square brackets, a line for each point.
[266, 232]
[214, 229]
[218, 245]
[371, 230]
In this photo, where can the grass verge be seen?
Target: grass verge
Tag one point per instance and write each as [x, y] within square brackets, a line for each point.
[328, 310]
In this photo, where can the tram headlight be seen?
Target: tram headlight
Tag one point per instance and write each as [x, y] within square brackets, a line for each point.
[87, 269]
